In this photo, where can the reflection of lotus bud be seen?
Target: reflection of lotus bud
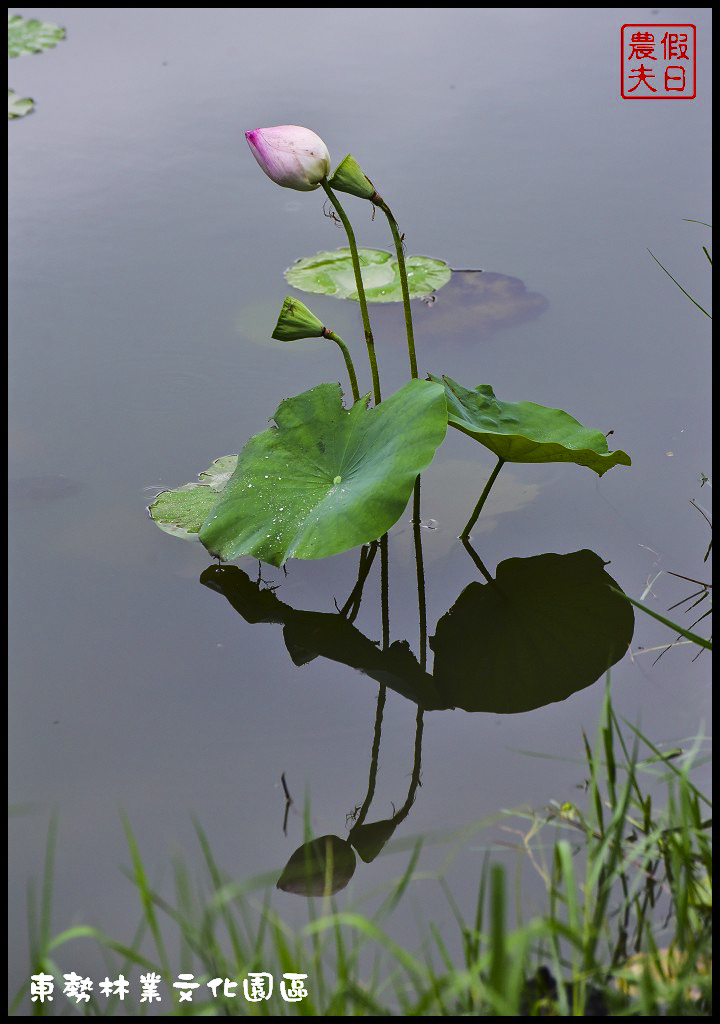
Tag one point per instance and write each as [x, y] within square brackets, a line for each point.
[348, 177]
[319, 868]
[369, 840]
[293, 157]
[296, 321]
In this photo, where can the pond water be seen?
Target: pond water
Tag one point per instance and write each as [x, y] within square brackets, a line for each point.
[146, 260]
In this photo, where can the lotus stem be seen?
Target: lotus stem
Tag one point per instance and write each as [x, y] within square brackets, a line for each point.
[332, 336]
[400, 252]
[481, 501]
[369, 341]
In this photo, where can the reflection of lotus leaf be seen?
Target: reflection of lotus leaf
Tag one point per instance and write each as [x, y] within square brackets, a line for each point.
[310, 634]
[546, 627]
[481, 303]
[319, 868]
[331, 273]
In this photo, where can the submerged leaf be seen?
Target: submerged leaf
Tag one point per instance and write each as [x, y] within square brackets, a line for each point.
[331, 273]
[326, 478]
[19, 106]
[181, 512]
[546, 627]
[31, 36]
[526, 432]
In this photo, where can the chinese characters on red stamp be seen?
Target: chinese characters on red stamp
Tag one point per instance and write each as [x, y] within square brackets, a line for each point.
[657, 62]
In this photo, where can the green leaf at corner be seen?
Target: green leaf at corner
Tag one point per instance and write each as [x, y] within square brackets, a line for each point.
[331, 273]
[326, 479]
[31, 36]
[182, 512]
[19, 106]
[526, 432]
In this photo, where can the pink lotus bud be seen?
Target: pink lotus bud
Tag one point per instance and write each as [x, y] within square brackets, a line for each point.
[293, 157]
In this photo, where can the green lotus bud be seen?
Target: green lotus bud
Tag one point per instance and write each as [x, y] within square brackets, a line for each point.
[349, 177]
[296, 322]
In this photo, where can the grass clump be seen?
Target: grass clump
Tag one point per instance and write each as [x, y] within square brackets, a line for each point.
[626, 929]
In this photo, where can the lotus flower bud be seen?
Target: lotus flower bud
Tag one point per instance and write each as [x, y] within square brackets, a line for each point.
[349, 177]
[296, 321]
[293, 157]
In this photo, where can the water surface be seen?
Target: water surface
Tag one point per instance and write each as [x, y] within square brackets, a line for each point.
[146, 257]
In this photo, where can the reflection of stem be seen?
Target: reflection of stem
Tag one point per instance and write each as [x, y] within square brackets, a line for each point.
[352, 606]
[476, 559]
[360, 289]
[420, 574]
[397, 239]
[332, 336]
[415, 778]
[362, 813]
[385, 592]
[483, 497]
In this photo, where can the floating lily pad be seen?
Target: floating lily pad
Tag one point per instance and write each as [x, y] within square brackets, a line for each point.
[182, 512]
[526, 432]
[331, 273]
[19, 106]
[31, 36]
[326, 478]
[546, 627]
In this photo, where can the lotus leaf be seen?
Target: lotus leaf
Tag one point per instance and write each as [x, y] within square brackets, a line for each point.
[526, 432]
[331, 273]
[325, 478]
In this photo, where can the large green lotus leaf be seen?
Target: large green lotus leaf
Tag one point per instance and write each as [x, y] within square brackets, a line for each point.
[546, 627]
[331, 273]
[182, 512]
[326, 478]
[19, 106]
[526, 432]
[309, 635]
[31, 36]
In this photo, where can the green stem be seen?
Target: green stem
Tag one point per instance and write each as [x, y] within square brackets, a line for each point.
[332, 336]
[397, 239]
[483, 497]
[369, 341]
